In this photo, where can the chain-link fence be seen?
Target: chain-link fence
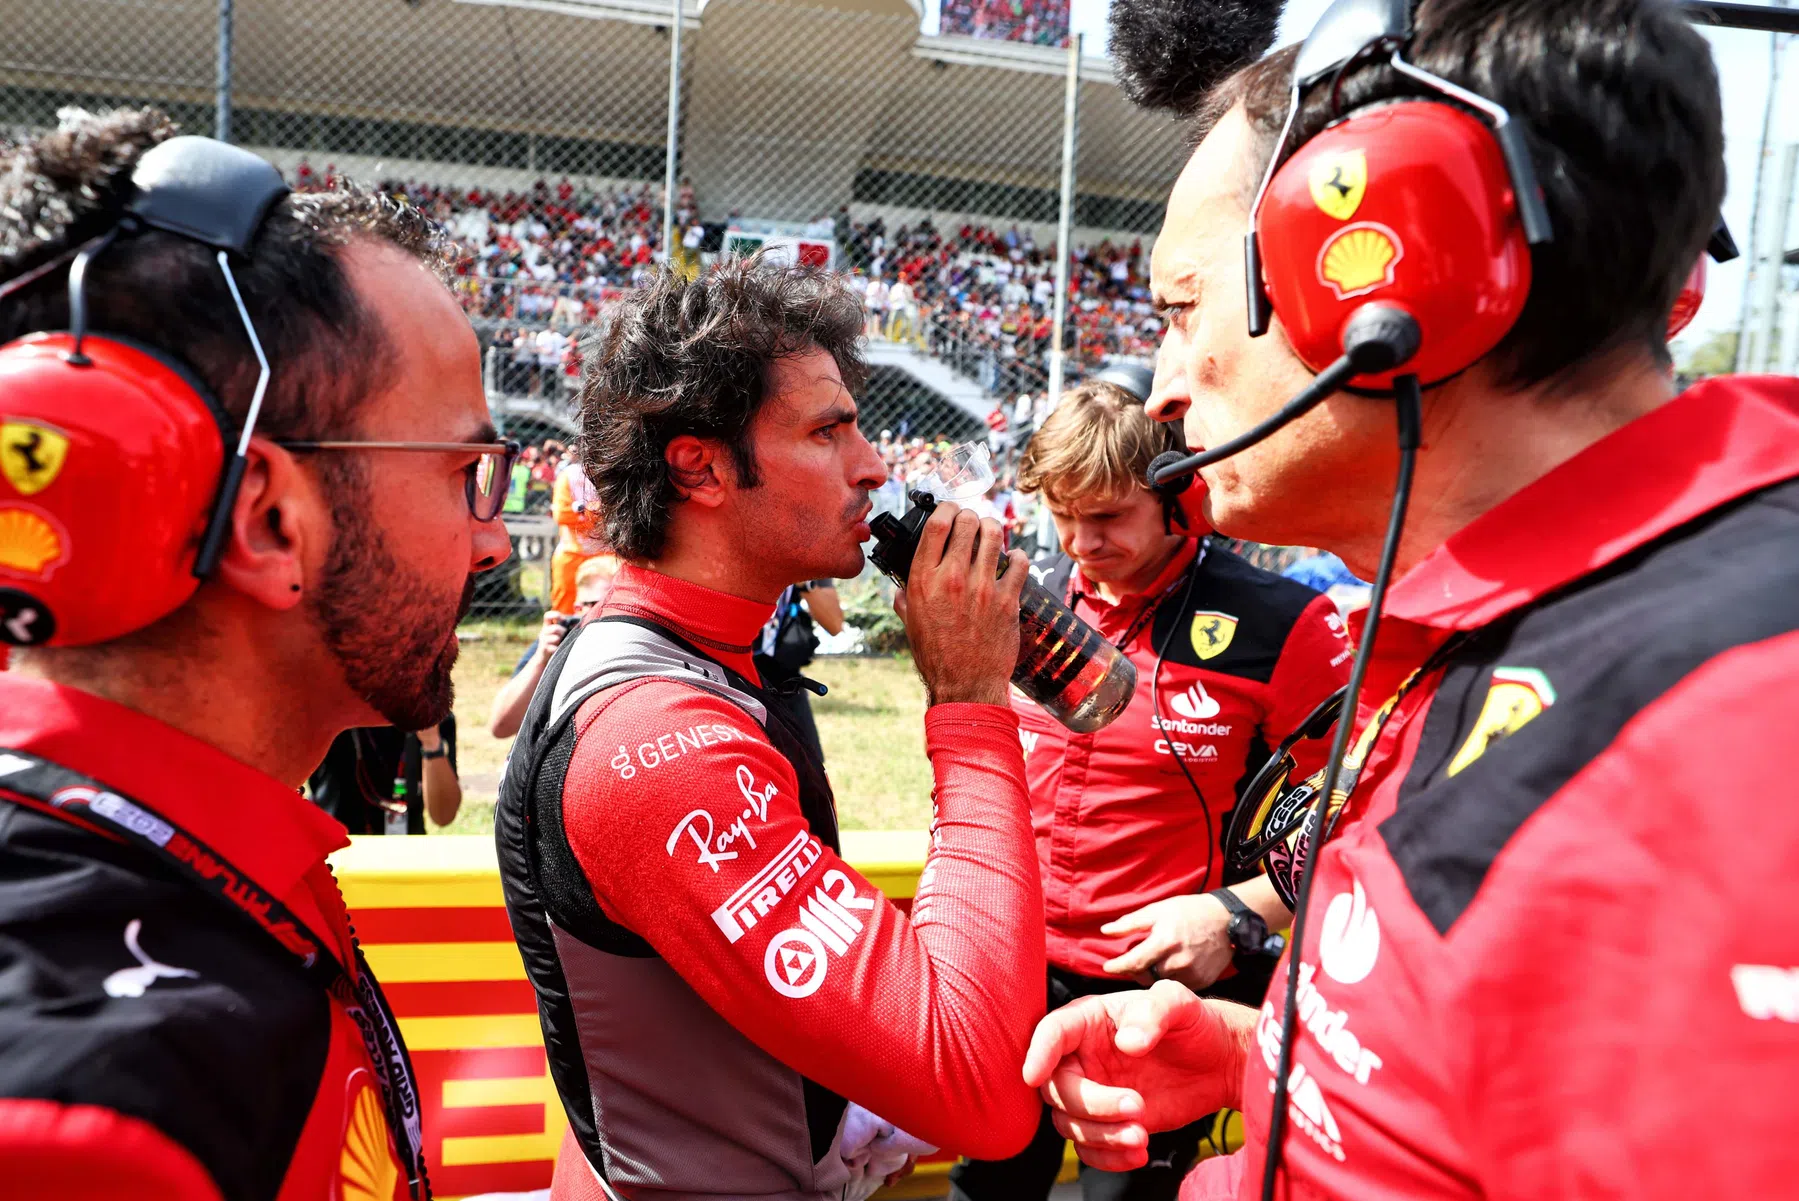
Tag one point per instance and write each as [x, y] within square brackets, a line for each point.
[830, 131]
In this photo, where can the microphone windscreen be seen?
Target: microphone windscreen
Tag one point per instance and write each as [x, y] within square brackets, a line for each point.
[1178, 484]
[1169, 54]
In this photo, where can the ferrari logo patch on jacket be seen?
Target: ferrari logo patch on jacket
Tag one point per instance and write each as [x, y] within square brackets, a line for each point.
[1212, 633]
[1517, 697]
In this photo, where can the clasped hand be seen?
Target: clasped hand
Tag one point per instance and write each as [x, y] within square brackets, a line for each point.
[1118, 1067]
[961, 614]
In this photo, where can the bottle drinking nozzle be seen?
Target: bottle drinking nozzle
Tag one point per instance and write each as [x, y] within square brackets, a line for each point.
[1064, 665]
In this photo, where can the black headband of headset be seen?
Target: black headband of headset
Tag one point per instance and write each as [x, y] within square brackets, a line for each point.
[215, 194]
[206, 190]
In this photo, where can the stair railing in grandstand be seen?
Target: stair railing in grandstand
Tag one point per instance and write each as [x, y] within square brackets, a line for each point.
[980, 359]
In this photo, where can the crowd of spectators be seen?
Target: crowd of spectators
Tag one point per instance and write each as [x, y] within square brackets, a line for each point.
[546, 261]
[548, 255]
[983, 300]
[534, 477]
[1038, 22]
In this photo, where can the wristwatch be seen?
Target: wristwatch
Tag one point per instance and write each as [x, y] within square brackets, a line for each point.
[1248, 932]
[439, 753]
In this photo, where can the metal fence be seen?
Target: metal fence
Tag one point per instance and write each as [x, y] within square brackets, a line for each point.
[540, 131]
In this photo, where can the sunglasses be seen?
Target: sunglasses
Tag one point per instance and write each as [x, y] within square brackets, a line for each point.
[1269, 828]
[489, 477]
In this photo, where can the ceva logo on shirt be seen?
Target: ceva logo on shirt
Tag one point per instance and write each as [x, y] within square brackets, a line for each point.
[1350, 940]
[1195, 704]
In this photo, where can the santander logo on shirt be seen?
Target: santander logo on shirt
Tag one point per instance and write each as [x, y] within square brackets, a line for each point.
[1195, 704]
[1349, 942]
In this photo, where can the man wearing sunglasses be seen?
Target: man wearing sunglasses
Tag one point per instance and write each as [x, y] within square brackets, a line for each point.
[183, 1011]
[1550, 928]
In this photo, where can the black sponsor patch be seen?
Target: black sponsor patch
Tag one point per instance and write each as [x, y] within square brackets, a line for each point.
[1492, 752]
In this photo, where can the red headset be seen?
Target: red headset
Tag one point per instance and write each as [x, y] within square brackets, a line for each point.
[1408, 205]
[1686, 305]
[118, 469]
[1425, 207]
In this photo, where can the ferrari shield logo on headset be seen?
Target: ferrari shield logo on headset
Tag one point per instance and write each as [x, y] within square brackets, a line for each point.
[1339, 182]
[1212, 632]
[31, 455]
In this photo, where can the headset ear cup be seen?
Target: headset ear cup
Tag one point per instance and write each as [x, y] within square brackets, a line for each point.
[107, 474]
[1686, 305]
[1407, 204]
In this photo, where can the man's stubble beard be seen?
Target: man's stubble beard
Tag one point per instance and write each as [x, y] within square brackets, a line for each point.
[766, 531]
[396, 646]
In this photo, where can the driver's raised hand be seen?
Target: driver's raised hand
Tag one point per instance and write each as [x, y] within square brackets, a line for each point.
[1119, 1067]
[962, 621]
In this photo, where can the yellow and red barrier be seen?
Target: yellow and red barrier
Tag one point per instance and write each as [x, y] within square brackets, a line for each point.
[433, 923]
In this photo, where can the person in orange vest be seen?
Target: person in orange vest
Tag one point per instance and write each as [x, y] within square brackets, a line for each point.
[578, 536]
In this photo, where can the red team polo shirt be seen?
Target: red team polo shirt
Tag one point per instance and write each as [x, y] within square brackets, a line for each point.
[1248, 655]
[153, 1044]
[1552, 951]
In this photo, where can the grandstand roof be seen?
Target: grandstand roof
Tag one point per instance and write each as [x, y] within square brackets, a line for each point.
[791, 106]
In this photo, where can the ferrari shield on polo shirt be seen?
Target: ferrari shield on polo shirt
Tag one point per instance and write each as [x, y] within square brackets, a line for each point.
[1212, 632]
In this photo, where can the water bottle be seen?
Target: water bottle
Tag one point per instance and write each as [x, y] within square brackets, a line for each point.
[393, 812]
[1064, 665]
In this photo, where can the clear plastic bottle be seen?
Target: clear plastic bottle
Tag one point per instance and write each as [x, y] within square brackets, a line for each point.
[1078, 677]
[1064, 664]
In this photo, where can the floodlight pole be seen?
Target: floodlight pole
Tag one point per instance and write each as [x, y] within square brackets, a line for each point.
[674, 136]
[1776, 48]
[1759, 355]
[1071, 111]
[221, 127]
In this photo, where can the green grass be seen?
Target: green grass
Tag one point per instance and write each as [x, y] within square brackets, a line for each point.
[871, 724]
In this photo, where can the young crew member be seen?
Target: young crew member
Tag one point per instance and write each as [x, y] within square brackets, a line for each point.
[716, 984]
[1551, 926]
[1230, 659]
[209, 570]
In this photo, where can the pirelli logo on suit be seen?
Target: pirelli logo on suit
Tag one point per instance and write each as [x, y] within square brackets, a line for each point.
[768, 887]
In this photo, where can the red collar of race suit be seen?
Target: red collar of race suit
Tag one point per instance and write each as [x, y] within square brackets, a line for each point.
[722, 625]
[258, 823]
[1717, 441]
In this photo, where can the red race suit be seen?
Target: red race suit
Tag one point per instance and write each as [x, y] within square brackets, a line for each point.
[1248, 656]
[739, 979]
[1551, 951]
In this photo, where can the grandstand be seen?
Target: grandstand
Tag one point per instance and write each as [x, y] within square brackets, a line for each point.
[925, 154]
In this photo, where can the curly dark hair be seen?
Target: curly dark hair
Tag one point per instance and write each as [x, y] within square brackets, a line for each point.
[692, 357]
[166, 292]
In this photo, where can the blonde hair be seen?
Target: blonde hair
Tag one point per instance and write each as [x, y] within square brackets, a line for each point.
[1097, 444]
[599, 569]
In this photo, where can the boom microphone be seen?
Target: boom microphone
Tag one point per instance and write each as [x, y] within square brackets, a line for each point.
[1378, 338]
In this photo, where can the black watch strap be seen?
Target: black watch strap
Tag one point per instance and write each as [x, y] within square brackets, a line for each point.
[1232, 902]
[439, 753]
[1244, 920]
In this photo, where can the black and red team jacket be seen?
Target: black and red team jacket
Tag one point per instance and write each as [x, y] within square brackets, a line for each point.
[1554, 950]
[1118, 826]
[152, 1044]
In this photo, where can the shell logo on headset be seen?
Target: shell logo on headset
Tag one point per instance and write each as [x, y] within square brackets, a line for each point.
[1360, 259]
[1339, 182]
[32, 544]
